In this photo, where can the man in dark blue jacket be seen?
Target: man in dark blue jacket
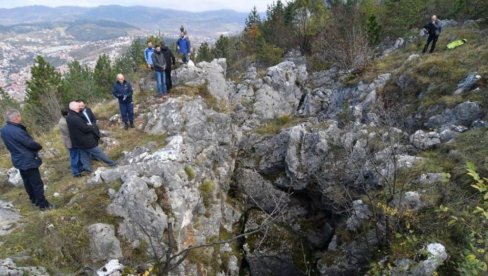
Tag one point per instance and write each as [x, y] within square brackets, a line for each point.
[184, 46]
[24, 153]
[122, 90]
[434, 29]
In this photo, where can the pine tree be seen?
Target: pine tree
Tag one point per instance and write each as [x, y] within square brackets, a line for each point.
[374, 30]
[204, 53]
[78, 83]
[44, 78]
[221, 49]
[253, 19]
[104, 76]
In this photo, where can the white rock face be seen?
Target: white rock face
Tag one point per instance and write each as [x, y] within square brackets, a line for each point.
[112, 268]
[8, 267]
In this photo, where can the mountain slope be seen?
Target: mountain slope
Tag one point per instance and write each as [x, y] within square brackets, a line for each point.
[148, 18]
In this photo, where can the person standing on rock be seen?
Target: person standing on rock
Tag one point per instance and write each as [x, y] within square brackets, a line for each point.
[434, 29]
[170, 60]
[148, 54]
[74, 154]
[24, 154]
[84, 138]
[184, 46]
[159, 65]
[122, 90]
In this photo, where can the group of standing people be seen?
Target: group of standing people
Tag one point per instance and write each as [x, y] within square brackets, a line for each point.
[81, 136]
[161, 59]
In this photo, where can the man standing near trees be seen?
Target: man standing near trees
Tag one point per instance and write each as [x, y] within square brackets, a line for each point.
[434, 29]
[148, 54]
[122, 90]
[24, 153]
[170, 60]
[184, 46]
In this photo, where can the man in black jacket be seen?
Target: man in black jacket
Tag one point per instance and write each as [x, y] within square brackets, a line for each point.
[122, 90]
[170, 60]
[84, 138]
[89, 116]
[24, 153]
[159, 65]
[434, 29]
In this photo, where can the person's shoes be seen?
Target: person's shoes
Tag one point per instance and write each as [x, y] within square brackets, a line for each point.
[46, 208]
[126, 126]
[131, 124]
[77, 175]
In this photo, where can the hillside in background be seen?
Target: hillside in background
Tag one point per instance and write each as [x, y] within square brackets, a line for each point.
[209, 23]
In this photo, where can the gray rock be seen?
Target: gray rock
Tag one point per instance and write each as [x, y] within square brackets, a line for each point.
[425, 140]
[212, 74]
[260, 192]
[468, 84]
[14, 177]
[8, 267]
[10, 218]
[409, 201]
[413, 57]
[103, 243]
[273, 265]
[432, 178]
[467, 112]
[447, 23]
[436, 256]
[360, 212]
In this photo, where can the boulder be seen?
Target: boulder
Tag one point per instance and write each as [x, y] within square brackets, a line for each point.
[467, 112]
[212, 74]
[112, 268]
[360, 212]
[103, 243]
[425, 140]
[467, 84]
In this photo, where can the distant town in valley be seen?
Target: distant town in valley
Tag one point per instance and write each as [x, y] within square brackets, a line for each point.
[65, 34]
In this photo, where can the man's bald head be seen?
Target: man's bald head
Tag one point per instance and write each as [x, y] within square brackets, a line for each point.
[75, 106]
[120, 78]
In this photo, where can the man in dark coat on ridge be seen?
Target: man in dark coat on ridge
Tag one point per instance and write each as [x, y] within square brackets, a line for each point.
[24, 153]
[170, 60]
[84, 138]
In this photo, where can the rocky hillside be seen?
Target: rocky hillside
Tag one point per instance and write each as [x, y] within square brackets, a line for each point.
[284, 172]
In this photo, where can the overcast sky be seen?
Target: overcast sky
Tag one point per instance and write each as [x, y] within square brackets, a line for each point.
[188, 5]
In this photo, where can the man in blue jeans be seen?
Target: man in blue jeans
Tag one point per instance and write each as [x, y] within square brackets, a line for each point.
[159, 65]
[74, 154]
[122, 90]
[24, 154]
[85, 138]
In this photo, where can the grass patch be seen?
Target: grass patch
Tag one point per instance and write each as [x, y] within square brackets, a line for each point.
[276, 125]
[207, 190]
[190, 173]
